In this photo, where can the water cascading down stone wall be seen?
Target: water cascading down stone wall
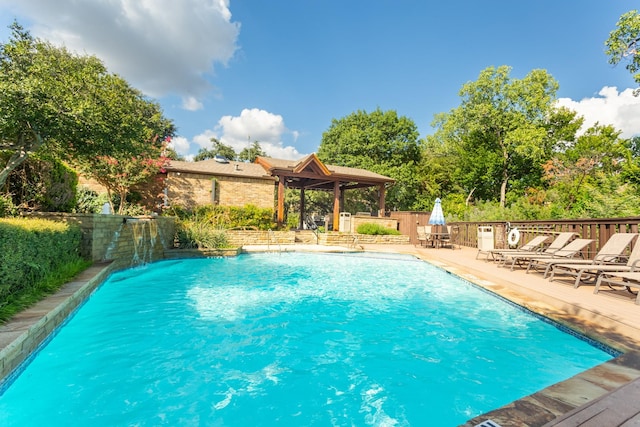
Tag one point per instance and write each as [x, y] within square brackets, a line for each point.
[124, 240]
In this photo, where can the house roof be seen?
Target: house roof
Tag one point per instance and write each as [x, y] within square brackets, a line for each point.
[214, 167]
[307, 172]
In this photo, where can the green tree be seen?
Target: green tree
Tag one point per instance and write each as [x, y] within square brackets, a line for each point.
[501, 132]
[622, 43]
[582, 164]
[71, 104]
[37, 103]
[380, 142]
[218, 149]
[249, 154]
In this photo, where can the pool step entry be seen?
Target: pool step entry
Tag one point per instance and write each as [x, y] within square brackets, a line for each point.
[488, 423]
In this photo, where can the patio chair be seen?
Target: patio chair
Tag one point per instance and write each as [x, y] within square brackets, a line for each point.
[558, 243]
[585, 272]
[533, 245]
[451, 237]
[625, 279]
[569, 251]
[424, 235]
[610, 253]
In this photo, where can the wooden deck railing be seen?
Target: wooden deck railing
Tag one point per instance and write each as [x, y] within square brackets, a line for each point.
[597, 229]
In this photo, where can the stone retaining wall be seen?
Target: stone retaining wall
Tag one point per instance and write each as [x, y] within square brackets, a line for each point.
[348, 239]
[125, 240]
[129, 241]
[259, 237]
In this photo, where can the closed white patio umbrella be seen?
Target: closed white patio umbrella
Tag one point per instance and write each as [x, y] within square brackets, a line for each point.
[437, 216]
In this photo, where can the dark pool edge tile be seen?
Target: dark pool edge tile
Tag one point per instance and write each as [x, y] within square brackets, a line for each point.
[545, 405]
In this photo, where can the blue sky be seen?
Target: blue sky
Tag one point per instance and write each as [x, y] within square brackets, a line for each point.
[279, 71]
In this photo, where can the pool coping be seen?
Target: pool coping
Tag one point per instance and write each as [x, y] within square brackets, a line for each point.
[25, 332]
[21, 336]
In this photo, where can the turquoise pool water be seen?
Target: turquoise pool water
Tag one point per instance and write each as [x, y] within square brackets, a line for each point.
[293, 339]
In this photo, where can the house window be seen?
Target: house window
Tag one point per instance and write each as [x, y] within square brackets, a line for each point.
[213, 191]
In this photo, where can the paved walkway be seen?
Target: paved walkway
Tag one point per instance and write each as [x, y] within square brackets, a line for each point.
[610, 318]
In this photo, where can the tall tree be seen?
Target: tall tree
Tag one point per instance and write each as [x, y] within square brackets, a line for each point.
[380, 142]
[599, 151]
[218, 149]
[69, 105]
[623, 43]
[501, 132]
[40, 95]
[249, 154]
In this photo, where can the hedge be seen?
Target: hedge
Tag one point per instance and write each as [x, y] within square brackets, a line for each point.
[33, 248]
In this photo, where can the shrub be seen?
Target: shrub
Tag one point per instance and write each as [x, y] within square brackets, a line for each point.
[42, 184]
[89, 201]
[200, 234]
[38, 248]
[247, 217]
[7, 208]
[375, 229]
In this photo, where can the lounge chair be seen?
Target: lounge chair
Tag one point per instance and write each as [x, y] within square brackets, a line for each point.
[572, 250]
[533, 245]
[610, 253]
[558, 243]
[569, 251]
[626, 279]
[594, 270]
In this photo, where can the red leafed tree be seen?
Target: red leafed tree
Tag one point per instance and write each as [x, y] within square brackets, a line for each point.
[119, 175]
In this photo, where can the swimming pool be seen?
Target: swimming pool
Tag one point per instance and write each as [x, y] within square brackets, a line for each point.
[289, 339]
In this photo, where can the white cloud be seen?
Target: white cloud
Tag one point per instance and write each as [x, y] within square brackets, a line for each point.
[257, 125]
[162, 47]
[251, 125]
[191, 104]
[203, 140]
[180, 144]
[620, 109]
[254, 125]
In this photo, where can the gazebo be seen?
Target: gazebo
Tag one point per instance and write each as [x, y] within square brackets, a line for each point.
[310, 173]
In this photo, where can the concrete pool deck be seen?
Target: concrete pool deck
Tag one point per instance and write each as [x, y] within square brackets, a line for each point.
[613, 319]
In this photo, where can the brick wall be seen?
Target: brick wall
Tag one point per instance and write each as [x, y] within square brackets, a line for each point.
[188, 189]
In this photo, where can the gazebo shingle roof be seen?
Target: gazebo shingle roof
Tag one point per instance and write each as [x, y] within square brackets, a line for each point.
[345, 173]
[265, 166]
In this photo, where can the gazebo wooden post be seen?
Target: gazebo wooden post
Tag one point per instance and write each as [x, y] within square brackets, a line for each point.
[381, 208]
[302, 209]
[336, 206]
[280, 200]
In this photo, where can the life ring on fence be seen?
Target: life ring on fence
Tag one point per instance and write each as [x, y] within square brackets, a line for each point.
[513, 237]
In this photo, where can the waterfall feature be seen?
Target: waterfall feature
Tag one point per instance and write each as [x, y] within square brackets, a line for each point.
[133, 242]
[145, 233]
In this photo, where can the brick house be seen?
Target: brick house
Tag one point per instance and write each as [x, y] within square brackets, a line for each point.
[238, 184]
[210, 181]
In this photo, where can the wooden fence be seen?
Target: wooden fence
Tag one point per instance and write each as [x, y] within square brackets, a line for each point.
[597, 229]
